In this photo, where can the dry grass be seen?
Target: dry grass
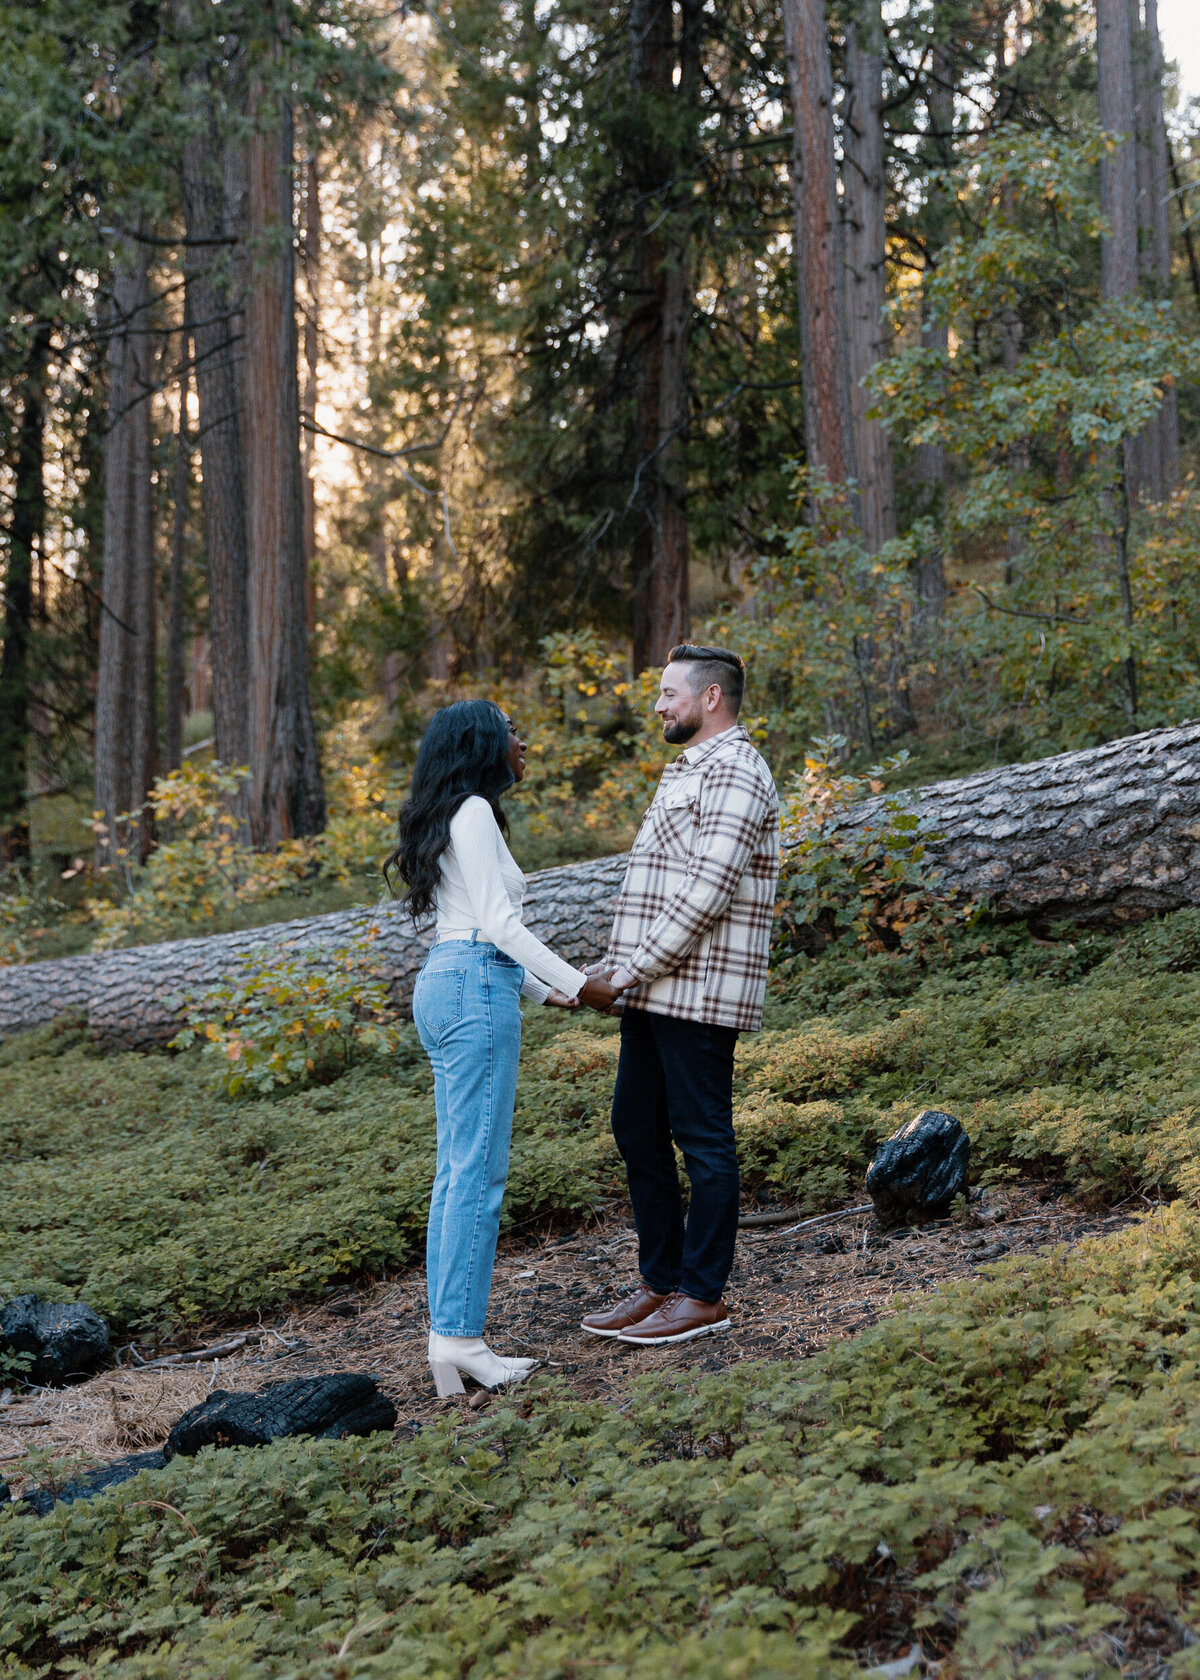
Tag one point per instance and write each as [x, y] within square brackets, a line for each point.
[791, 1294]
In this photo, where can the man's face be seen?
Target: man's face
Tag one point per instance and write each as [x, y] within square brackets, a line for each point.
[681, 711]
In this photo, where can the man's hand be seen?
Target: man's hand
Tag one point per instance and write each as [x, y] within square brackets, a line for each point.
[621, 979]
[599, 994]
[603, 969]
[560, 1000]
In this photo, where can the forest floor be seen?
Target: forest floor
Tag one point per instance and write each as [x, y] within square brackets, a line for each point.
[792, 1293]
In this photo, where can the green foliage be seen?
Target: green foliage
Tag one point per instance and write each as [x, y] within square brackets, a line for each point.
[1077, 1060]
[871, 886]
[27, 913]
[203, 871]
[1006, 1470]
[291, 1015]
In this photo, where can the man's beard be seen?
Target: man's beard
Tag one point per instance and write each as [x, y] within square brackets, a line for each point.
[677, 734]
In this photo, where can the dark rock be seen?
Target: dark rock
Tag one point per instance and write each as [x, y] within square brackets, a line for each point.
[5, 1493]
[41, 1501]
[920, 1169]
[345, 1403]
[65, 1337]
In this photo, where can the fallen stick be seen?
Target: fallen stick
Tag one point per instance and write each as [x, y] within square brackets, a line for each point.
[198, 1356]
[758, 1219]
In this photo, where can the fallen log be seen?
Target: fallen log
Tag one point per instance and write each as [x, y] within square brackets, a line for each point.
[128, 995]
[1106, 835]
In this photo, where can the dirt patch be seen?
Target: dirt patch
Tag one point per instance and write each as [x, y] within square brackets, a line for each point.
[793, 1291]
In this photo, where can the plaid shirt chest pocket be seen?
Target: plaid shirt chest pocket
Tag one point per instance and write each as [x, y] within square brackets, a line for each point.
[669, 826]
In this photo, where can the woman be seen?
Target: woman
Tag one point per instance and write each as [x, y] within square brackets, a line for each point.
[466, 1006]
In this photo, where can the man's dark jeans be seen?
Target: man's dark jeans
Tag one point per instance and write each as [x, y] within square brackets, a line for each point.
[675, 1084]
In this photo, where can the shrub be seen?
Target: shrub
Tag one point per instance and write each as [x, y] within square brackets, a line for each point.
[204, 871]
[1006, 1471]
[291, 1015]
[871, 886]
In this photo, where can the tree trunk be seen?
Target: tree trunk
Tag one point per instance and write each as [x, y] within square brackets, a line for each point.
[1118, 168]
[312, 351]
[26, 526]
[1119, 262]
[1154, 453]
[143, 700]
[828, 429]
[929, 463]
[213, 314]
[286, 795]
[660, 547]
[1105, 836]
[173, 699]
[116, 748]
[864, 204]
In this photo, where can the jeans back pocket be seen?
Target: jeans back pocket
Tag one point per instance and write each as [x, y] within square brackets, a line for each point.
[439, 998]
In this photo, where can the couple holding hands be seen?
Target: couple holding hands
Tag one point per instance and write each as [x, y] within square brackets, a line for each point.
[687, 959]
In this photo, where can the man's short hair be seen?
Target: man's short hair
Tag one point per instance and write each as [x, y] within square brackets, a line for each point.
[713, 665]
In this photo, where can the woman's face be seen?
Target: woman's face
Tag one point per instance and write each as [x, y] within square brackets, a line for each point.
[516, 752]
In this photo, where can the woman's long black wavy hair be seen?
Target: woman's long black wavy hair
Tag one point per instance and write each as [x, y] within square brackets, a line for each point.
[465, 751]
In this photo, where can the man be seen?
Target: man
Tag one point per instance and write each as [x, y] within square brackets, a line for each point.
[689, 947]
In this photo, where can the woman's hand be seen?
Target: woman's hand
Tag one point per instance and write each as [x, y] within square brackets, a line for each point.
[560, 1000]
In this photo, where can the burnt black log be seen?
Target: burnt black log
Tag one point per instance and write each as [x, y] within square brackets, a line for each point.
[918, 1172]
[331, 1407]
[65, 1338]
[41, 1501]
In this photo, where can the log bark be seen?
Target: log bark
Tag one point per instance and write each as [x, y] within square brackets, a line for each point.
[1106, 836]
[127, 995]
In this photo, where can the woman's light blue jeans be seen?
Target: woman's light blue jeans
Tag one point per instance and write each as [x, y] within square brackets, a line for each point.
[467, 1007]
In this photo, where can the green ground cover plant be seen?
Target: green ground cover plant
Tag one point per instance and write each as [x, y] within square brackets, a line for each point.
[1007, 1470]
[131, 1180]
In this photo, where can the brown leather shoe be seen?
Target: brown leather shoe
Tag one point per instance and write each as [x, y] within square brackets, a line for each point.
[626, 1313]
[677, 1320]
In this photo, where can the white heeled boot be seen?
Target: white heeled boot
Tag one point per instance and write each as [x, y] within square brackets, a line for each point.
[453, 1357]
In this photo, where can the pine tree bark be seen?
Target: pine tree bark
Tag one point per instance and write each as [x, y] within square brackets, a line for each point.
[1154, 453]
[1118, 168]
[828, 428]
[661, 612]
[174, 683]
[26, 526]
[1119, 260]
[286, 793]
[864, 203]
[117, 790]
[929, 463]
[312, 351]
[216, 325]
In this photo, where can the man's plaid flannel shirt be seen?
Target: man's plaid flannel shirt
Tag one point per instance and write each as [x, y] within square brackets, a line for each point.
[693, 919]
